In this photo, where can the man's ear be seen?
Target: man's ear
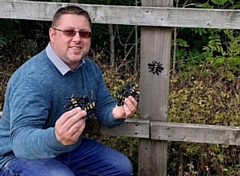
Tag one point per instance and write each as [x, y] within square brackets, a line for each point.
[51, 33]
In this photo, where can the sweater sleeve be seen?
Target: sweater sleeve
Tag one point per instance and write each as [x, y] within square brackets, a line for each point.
[29, 106]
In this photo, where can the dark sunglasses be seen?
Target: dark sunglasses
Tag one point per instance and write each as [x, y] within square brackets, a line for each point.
[72, 33]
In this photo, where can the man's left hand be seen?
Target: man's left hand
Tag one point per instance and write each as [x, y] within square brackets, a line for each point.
[127, 110]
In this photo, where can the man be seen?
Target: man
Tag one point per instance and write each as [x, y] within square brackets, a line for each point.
[37, 137]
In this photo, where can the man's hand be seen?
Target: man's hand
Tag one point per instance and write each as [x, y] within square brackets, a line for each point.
[70, 126]
[127, 110]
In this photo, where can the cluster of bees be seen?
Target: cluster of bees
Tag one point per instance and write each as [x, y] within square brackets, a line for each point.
[83, 102]
[89, 106]
[128, 90]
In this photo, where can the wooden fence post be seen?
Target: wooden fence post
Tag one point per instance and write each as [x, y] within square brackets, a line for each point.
[155, 46]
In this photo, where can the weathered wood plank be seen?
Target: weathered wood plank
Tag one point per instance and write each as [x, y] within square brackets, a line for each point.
[128, 15]
[198, 133]
[130, 128]
[155, 46]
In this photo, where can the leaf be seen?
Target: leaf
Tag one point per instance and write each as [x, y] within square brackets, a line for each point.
[219, 2]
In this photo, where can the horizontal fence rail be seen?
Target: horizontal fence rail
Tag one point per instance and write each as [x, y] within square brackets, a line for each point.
[169, 131]
[186, 132]
[128, 15]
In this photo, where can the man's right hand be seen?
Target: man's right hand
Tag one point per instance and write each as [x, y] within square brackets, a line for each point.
[70, 126]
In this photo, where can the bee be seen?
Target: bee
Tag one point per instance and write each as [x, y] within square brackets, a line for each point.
[155, 67]
[126, 91]
[134, 91]
[120, 99]
[72, 102]
[88, 106]
[83, 102]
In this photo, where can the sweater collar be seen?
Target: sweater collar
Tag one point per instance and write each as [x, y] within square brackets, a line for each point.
[58, 62]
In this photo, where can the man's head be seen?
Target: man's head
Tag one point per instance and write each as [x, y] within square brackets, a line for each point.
[70, 34]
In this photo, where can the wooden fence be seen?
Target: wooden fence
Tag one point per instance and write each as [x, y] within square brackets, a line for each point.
[156, 18]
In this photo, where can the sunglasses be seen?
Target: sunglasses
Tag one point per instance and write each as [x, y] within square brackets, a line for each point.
[72, 33]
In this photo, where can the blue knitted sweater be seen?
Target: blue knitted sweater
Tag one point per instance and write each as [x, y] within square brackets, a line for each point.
[34, 100]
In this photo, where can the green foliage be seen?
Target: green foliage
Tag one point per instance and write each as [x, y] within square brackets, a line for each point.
[223, 52]
[216, 46]
[7, 31]
[219, 2]
[208, 95]
[219, 46]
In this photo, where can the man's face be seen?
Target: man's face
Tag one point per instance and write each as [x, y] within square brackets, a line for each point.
[70, 49]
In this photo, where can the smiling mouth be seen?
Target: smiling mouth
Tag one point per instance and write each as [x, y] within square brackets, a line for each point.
[76, 47]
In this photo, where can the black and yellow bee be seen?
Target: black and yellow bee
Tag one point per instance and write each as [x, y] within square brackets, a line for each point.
[120, 99]
[135, 92]
[126, 91]
[72, 102]
[83, 102]
[155, 67]
[88, 106]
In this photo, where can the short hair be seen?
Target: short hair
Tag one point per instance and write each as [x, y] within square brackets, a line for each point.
[70, 9]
